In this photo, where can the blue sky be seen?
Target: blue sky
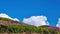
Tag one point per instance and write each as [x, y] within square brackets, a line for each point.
[26, 8]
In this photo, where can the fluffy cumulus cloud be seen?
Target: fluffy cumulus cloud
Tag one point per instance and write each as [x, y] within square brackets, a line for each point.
[6, 16]
[36, 20]
[58, 23]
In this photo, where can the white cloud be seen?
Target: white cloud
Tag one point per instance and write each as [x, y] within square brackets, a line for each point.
[15, 19]
[6, 16]
[36, 20]
[58, 23]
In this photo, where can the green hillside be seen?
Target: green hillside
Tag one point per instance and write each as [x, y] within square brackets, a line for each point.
[27, 29]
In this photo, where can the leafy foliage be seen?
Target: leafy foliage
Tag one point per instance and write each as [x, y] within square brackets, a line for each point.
[27, 29]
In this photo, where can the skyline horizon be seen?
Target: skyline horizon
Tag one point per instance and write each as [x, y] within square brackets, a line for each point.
[4, 15]
[27, 8]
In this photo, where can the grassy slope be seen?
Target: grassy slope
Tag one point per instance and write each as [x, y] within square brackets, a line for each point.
[28, 29]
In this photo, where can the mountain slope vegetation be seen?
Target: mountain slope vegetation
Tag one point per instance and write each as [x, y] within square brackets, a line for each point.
[23, 28]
